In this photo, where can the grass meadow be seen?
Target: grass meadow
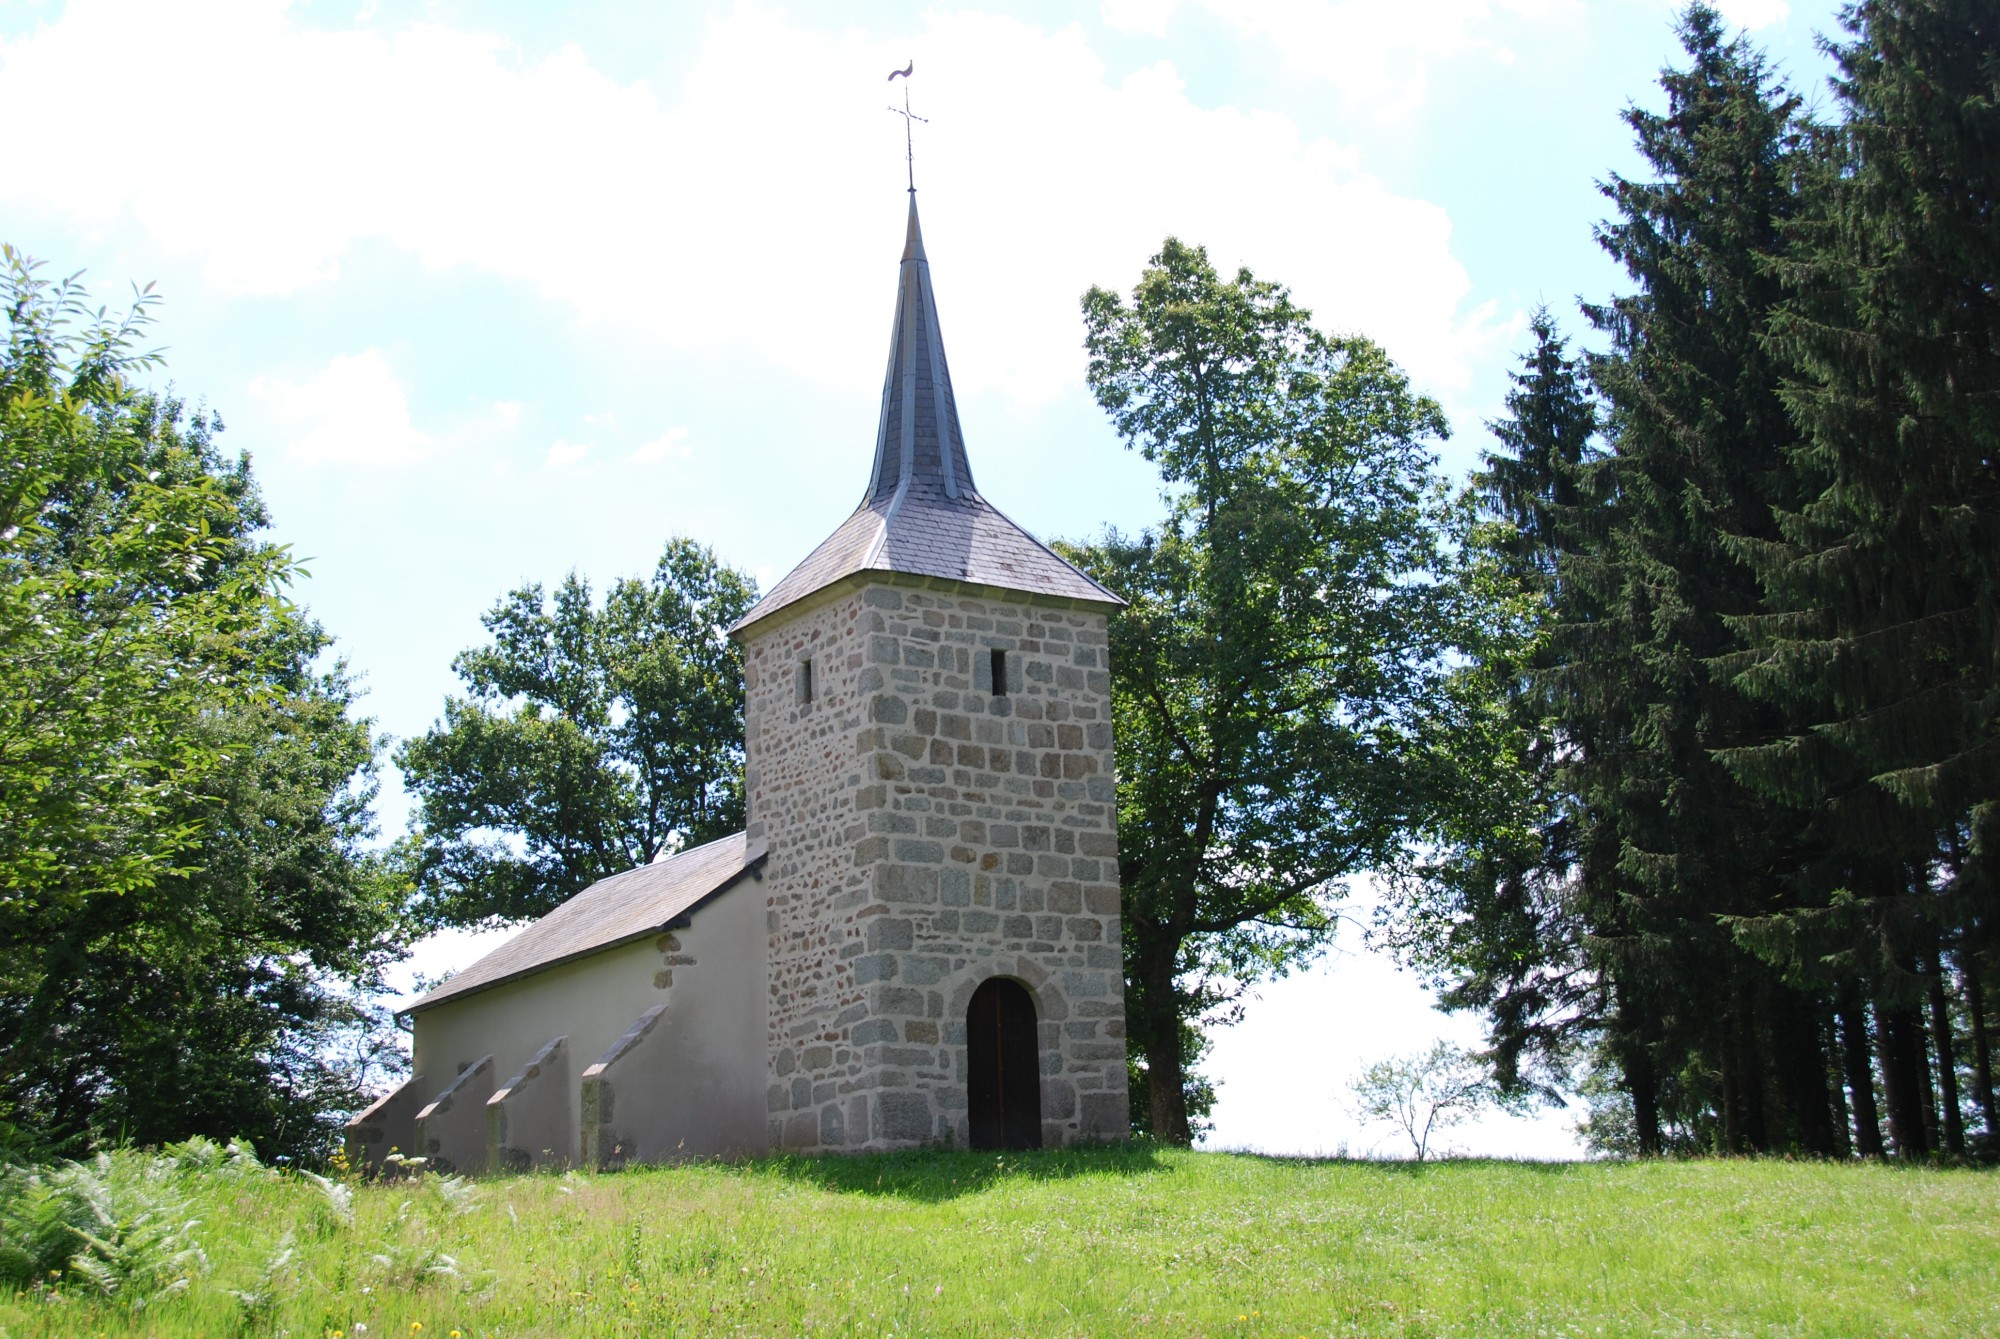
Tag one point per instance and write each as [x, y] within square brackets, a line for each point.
[1112, 1241]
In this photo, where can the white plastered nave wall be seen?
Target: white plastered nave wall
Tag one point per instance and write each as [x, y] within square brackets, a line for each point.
[697, 1085]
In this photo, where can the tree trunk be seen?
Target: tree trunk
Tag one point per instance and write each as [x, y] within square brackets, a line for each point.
[1743, 1086]
[1947, 1059]
[1166, 1077]
[1899, 1033]
[1860, 1074]
[1643, 1085]
[1641, 1081]
[1982, 1047]
[1843, 1141]
[1732, 1089]
[1798, 1067]
[1926, 1087]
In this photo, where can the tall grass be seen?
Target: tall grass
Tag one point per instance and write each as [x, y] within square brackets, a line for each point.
[1112, 1241]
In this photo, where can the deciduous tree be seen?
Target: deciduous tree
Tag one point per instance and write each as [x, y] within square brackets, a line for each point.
[1427, 1093]
[592, 738]
[1291, 620]
[188, 904]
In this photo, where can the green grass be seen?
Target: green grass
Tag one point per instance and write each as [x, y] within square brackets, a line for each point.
[1117, 1241]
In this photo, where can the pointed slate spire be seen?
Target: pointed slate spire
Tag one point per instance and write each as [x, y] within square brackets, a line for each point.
[921, 518]
[918, 437]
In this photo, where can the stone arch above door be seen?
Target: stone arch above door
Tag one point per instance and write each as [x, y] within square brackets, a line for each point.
[1051, 1004]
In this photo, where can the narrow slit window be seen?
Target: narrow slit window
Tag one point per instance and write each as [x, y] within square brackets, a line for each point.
[805, 682]
[999, 672]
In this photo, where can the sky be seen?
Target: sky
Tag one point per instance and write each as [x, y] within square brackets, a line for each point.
[491, 292]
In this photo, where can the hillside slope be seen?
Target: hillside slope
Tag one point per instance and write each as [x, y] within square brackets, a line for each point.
[1124, 1241]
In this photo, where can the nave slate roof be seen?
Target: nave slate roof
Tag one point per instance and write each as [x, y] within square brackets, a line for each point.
[612, 911]
[921, 516]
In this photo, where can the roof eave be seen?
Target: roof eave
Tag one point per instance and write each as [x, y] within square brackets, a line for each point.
[884, 576]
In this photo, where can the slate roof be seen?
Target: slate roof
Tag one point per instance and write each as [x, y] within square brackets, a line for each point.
[610, 912]
[921, 515]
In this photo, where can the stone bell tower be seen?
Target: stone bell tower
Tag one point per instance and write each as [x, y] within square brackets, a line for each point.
[928, 721]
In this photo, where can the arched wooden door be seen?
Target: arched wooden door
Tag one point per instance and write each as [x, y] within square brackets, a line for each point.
[1004, 1087]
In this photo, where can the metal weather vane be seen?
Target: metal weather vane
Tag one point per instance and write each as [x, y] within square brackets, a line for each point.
[909, 117]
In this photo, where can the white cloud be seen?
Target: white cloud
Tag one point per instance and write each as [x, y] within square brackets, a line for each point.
[1379, 57]
[758, 209]
[1149, 17]
[669, 445]
[564, 454]
[353, 411]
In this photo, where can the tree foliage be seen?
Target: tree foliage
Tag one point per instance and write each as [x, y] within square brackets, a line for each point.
[592, 739]
[1276, 674]
[183, 795]
[121, 568]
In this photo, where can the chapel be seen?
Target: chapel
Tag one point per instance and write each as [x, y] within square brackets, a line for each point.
[914, 941]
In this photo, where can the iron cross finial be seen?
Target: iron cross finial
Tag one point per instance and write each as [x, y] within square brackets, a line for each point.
[909, 117]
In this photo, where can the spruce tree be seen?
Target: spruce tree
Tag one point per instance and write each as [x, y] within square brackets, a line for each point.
[1883, 641]
[1679, 847]
[1491, 917]
[1538, 481]
[1620, 915]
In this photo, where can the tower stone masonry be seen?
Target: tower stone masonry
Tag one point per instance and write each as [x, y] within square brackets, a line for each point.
[926, 834]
